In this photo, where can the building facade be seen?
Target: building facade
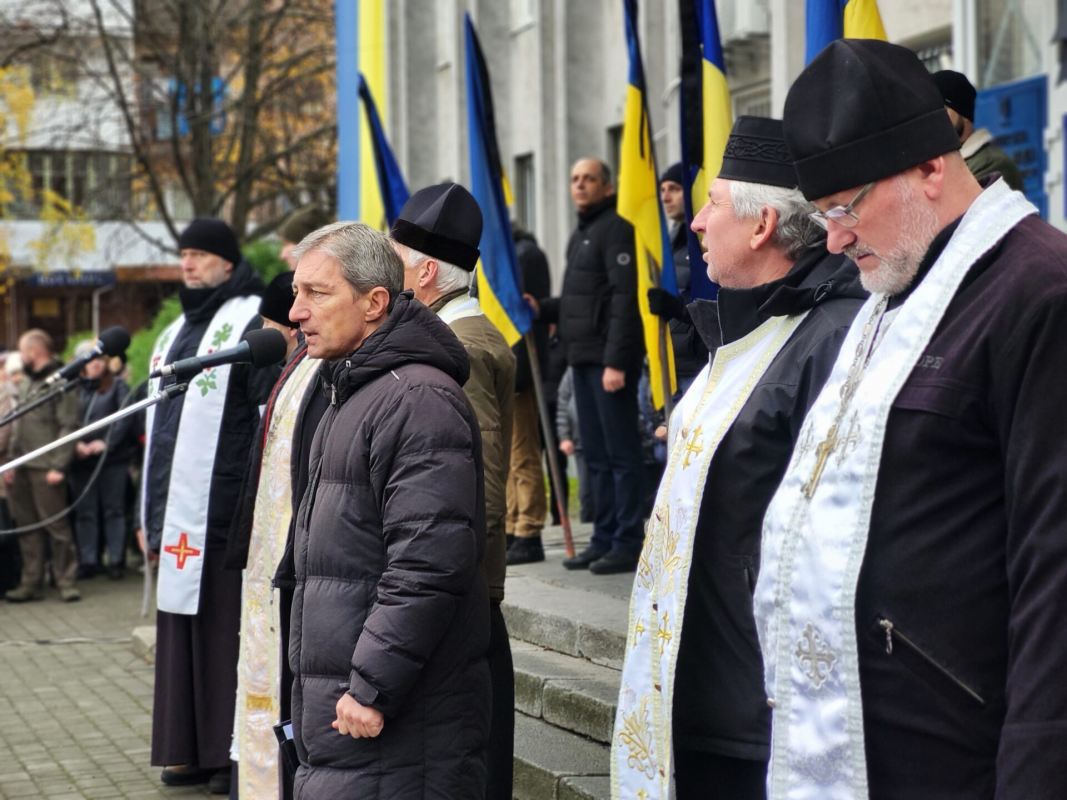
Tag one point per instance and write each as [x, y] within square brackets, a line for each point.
[559, 69]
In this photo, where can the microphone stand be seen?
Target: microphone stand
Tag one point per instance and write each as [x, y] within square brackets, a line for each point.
[168, 393]
[62, 389]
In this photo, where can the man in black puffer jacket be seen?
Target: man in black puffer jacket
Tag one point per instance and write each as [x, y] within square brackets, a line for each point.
[390, 619]
[600, 325]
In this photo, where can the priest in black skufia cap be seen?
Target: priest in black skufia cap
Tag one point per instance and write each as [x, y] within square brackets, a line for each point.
[913, 585]
[774, 332]
[437, 236]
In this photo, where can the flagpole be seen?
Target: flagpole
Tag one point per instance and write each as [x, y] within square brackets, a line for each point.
[548, 428]
[665, 370]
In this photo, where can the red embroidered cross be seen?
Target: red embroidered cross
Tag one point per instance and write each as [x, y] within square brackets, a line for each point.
[182, 551]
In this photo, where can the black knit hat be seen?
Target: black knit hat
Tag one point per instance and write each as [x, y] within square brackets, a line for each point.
[212, 236]
[861, 111]
[956, 92]
[278, 300]
[443, 222]
[756, 153]
[673, 173]
[303, 221]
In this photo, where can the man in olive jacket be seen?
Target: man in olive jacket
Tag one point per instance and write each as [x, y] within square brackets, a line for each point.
[38, 490]
[437, 236]
[390, 619]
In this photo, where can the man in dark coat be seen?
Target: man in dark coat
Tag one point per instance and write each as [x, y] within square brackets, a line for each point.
[770, 261]
[982, 154]
[390, 620]
[938, 505]
[600, 325]
[194, 463]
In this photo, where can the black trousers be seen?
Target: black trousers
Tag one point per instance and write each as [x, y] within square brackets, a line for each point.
[708, 776]
[501, 749]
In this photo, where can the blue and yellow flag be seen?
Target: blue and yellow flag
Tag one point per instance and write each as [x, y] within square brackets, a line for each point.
[639, 204]
[836, 19]
[392, 188]
[499, 287]
[706, 121]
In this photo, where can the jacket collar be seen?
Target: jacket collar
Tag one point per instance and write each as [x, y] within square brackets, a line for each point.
[585, 218]
[445, 299]
[816, 277]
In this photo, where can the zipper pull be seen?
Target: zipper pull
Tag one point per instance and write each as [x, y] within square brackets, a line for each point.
[333, 396]
[888, 635]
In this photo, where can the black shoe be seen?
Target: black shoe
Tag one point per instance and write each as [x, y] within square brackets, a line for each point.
[86, 571]
[584, 558]
[115, 572]
[185, 775]
[220, 782]
[526, 550]
[613, 563]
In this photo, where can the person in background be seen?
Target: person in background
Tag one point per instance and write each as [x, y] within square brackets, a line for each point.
[981, 153]
[526, 478]
[297, 225]
[570, 443]
[104, 503]
[38, 490]
[10, 561]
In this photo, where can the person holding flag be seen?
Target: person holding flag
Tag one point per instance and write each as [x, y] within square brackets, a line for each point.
[781, 315]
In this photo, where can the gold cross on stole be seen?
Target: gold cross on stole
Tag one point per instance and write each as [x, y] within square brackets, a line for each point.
[693, 445]
[822, 453]
[664, 633]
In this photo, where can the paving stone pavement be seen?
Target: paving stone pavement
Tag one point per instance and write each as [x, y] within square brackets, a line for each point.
[76, 719]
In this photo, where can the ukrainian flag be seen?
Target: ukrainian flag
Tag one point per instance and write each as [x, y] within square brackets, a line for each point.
[392, 189]
[360, 55]
[706, 121]
[499, 291]
[639, 204]
[836, 19]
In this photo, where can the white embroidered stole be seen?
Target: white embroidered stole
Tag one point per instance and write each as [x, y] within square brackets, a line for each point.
[258, 683]
[813, 549]
[641, 745]
[181, 555]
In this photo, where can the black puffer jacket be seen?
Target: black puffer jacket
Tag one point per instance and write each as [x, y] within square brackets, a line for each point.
[391, 602]
[690, 352]
[597, 313]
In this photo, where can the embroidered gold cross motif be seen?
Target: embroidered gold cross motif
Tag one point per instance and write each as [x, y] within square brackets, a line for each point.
[642, 795]
[695, 445]
[664, 634]
[815, 657]
[639, 628]
[852, 438]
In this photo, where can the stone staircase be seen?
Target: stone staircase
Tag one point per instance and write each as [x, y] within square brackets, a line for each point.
[568, 634]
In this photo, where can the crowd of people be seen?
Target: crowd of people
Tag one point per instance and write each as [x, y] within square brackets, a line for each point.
[855, 510]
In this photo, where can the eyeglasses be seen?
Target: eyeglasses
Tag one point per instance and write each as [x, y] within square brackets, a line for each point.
[842, 215]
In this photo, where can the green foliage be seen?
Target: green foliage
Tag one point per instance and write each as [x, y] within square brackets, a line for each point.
[142, 342]
[264, 258]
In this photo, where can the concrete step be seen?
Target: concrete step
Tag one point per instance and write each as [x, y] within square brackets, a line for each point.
[553, 764]
[568, 692]
[558, 612]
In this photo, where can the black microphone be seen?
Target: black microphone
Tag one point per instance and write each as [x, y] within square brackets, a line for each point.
[112, 342]
[260, 348]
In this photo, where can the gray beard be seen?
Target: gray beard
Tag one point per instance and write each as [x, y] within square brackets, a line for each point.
[918, 227]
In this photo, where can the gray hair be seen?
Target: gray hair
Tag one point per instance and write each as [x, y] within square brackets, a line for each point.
[450, 278]
[366, 256]
[794, 232]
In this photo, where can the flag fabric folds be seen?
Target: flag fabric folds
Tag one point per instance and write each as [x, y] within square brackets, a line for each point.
[639, 204]
[835, 19]
[706, 121]
[393, 190]
[499, 287]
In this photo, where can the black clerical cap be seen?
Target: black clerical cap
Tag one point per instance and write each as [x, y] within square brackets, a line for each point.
[756, 153]
[861, 111]
[957, 92]
[212, 236]
[278, 300]
[443, 222]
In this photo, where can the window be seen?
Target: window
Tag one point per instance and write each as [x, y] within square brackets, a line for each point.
[936, 57]
[525, 197]
[1009, 48]
[96, 184]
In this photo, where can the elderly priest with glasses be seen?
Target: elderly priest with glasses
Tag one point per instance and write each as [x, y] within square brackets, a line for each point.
[913, 584]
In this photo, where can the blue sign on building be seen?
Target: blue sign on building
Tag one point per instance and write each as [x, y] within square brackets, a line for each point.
[1016, 115]
[70, 280]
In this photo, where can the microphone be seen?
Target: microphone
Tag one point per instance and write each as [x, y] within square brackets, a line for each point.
[112, 342]
[260, 348]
